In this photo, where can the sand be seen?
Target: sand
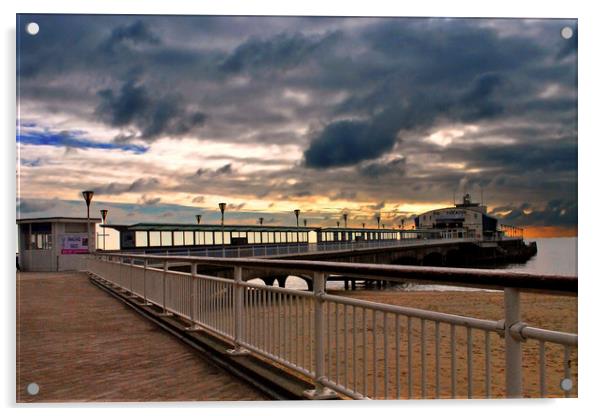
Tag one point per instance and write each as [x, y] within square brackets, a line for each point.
[543, 311]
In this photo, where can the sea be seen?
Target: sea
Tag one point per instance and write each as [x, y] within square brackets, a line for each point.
[555, 256]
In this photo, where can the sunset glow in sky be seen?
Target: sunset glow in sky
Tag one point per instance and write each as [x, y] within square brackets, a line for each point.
[165, 117]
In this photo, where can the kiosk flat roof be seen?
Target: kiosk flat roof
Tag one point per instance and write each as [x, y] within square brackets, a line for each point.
[56, 219]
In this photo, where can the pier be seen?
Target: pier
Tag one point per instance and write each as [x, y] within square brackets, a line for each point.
[77, 343]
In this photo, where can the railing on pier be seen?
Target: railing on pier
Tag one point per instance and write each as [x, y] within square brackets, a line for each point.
[267, 250]
[358, 348]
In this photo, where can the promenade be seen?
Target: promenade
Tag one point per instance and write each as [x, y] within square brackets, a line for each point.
[80, 344]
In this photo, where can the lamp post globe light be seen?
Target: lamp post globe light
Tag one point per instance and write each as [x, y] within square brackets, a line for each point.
[88, 198]
[222, 208]
[103, 214]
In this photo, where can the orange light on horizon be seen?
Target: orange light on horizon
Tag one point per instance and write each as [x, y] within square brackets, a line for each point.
[550, 232]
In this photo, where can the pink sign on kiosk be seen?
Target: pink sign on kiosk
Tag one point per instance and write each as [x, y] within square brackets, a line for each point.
[74, 244]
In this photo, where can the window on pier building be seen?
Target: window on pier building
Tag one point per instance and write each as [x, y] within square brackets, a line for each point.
[166, 238]
[208, 238]
[40, 237]
[188, 238]
[141, 239]
[155, 239]
[178, 238]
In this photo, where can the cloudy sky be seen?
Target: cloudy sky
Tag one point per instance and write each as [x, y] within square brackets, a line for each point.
[165, 117]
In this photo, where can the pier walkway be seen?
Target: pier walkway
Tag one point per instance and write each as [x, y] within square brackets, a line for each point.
[80, 344]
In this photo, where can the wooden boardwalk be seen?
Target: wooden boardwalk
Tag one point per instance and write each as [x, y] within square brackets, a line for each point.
[80, 344]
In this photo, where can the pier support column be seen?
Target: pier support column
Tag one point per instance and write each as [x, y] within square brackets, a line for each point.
[269, 281]
[282, 281]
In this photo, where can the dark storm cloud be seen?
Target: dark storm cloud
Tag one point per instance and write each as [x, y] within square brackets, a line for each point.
[146, 200]
[347, 142]
[224, 170]
[133, 106]
[278, 52]
[227, 168]
[377, 169]
[555, 212]
[139, 185]
[137, 32]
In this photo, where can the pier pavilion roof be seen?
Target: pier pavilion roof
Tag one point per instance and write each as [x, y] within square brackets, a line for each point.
[206, 227]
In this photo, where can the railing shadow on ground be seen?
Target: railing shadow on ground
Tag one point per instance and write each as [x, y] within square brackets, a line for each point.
[358, 348]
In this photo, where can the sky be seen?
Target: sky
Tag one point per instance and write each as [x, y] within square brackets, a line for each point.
[166, 116]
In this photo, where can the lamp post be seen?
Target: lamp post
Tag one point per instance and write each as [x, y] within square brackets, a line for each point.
[198, 218]
[222, 208]
[305, 222]
[297, 212]
[260, 220]
[88, 198]
[402, 227]
[103, 214]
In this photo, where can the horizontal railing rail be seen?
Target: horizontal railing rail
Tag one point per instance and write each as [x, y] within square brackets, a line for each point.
[354, 347]
[478, 278]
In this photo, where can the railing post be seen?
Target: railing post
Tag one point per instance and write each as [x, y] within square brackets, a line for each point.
[144, 281]
[165, 267]
[131, 276]
[513, 348]
[319, 392]
[238, 313]
[193, 298]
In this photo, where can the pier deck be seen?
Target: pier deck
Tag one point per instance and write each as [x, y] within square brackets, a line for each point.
[80, 344]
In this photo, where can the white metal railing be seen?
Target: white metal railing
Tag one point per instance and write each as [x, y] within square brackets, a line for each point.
[268, 250]
[358, 348]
